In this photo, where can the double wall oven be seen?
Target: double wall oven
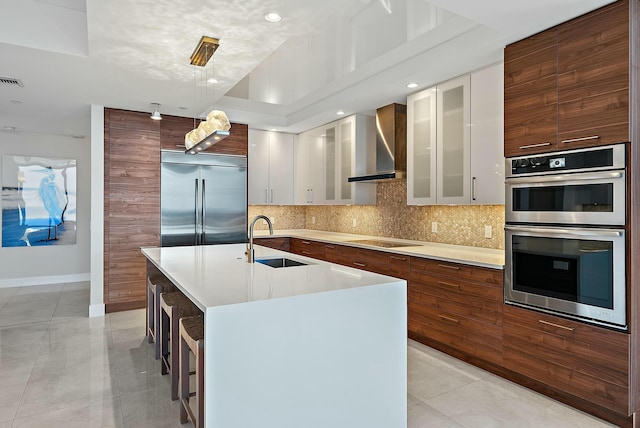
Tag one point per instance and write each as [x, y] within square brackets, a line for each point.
[565, 234]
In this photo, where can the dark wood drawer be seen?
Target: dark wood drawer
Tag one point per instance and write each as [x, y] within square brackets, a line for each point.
[308, 248]
[465, 299]
[461, 272]
[465, 334]
[582, 359]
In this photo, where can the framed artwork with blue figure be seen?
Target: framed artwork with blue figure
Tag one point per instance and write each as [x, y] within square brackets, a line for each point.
[38, 201]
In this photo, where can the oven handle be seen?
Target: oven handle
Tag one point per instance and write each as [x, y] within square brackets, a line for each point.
[567, 177]
[573, 231]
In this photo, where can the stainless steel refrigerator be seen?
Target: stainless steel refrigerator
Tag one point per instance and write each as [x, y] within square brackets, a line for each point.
[203, 199]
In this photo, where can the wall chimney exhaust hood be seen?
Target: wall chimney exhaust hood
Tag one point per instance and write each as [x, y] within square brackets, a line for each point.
[391, 145]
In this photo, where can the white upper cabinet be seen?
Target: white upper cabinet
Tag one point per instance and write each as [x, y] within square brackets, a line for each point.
[353, 154]
[421, 147]
[271, 170]
[454, 141]
[452, 148]
[328, 155]
[309, 167]
[487, 135]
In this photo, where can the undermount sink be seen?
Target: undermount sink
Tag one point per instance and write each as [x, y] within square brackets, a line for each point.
[281, 262]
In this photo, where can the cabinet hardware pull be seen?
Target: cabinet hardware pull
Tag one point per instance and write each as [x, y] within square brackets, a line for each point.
[310, 196]
[473, 189]
[449, 284]
[555, 325]
[573, 140]
[271, 195]
[359, 264]
[330, 246]
[306, 242]
[449, 267]
[404, 259]
[306, 253]
[266, 197]
[446, 318]
[531, 146]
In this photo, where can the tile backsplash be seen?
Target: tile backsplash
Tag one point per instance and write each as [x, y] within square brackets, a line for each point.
[392, 218]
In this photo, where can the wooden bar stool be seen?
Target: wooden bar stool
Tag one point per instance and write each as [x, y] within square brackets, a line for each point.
[173, 306]
[156, 285]
[192, 339]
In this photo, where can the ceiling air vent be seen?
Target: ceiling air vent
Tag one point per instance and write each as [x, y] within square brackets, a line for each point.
[11, 81]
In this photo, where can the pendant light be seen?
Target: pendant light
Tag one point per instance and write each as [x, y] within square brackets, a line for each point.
[216, 125]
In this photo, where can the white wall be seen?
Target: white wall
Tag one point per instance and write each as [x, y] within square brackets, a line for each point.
[58, 263]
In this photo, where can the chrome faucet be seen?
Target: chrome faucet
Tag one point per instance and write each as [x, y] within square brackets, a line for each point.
[250, 253]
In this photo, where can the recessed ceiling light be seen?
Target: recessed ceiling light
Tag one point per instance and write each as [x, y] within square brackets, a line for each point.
[16, 102]
[412, 85]
[182, 108]
[9, 128]
[339, 112]
[273, 17]
[77, 136]
[212, 80]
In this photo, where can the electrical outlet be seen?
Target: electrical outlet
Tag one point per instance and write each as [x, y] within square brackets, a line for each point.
[273, 220]
[355, 222]
[488, 232]
[434, 227]
[313, 220]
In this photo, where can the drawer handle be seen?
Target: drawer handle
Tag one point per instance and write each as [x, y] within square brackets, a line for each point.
[306, 242]
[573, 140]
[359, 264]
[449, 267]
[449, 284]
[404, 259]
[330, 246]
[555, 325]
[306, 253]
[531, 146]
[446, 318]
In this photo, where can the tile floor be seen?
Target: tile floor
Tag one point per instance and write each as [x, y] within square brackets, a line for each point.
[59, 368]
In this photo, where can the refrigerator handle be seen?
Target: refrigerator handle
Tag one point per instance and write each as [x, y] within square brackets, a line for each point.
[196, 234]
[204, 216]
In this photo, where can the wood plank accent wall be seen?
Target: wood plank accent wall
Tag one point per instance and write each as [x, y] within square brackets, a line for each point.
[132, 144]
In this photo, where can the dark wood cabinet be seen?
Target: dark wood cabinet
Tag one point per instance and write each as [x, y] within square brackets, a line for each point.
[568, 87]
[458, 306]
[593, 78]
[531, 95]
[282, 244]
[308, 248]
[584, 360]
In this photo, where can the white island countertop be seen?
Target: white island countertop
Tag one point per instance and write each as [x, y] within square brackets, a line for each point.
[218, 275]
[312, 346]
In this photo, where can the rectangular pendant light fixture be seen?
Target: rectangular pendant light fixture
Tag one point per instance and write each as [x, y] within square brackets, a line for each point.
[205, 49]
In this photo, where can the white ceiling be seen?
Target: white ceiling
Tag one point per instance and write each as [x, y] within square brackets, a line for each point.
[324, 56]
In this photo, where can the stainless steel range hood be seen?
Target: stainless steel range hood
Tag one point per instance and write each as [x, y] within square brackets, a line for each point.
[391, 144]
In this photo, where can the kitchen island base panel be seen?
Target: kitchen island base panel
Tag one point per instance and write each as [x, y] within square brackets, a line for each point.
[333, 359]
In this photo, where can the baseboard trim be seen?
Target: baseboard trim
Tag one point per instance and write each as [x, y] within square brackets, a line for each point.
[43, 280]
[96, 310]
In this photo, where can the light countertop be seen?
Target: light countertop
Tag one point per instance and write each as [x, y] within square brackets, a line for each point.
[483, 257]
[218, 275]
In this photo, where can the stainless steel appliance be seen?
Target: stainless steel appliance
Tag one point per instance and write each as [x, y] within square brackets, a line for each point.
[575, 272]
[203, 199]
[565, 234]
[574, 187]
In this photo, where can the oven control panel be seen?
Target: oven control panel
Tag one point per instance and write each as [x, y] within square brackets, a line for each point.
[574, 160]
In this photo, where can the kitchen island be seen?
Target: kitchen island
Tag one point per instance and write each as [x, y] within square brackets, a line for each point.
[316, 345]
